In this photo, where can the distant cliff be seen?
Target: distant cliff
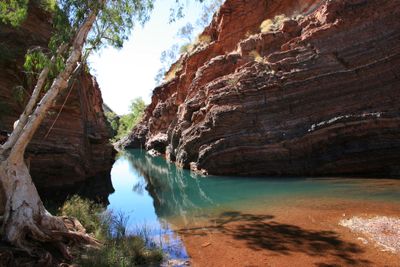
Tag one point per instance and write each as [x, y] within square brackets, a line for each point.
[76, 147]
[291, 87]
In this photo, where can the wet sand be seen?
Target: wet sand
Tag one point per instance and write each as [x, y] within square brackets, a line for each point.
[302, 232]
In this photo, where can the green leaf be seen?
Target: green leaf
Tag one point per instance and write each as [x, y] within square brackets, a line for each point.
[13, 11]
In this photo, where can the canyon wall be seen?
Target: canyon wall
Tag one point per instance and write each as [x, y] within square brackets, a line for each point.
[71, 146]
[314, 92]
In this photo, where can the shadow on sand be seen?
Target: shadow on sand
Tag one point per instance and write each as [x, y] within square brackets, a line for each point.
[261, 232]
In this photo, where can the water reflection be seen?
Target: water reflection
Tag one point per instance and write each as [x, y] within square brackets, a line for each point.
[175, 191]
[183, 197]
[154, 193]
[178, 194]
[132, 198]
[96, 188]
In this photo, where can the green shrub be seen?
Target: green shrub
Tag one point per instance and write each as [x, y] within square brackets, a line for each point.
[87, 212]
[113, 121]
[129, 251]
[19, 93]
[123, 125]
[119, 247]
[128, 121]
[49, 5]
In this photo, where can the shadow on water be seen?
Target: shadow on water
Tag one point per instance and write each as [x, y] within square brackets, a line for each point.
[187, 199]
[261, 232]
[96, 188]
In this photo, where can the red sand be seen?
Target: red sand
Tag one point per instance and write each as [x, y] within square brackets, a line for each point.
[303, 234]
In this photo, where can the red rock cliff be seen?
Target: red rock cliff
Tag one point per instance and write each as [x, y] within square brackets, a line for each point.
[315, 94]
[77, 145]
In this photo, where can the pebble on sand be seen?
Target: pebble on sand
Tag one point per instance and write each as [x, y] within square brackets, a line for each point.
[384, 231]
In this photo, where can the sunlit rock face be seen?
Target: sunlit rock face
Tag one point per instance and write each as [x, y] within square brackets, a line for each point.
[76, 147]
[315, 94]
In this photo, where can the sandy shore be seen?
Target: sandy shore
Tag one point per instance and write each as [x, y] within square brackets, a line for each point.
[306, 233]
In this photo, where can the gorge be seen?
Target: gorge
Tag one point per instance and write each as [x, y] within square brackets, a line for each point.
[314, 92]
[274, 140]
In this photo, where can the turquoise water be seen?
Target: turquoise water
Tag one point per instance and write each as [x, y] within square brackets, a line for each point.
[155, 193]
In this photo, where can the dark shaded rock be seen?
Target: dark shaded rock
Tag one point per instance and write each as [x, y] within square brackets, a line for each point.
[136, 139]
[157, 143]
[96, 188]
[72, 143]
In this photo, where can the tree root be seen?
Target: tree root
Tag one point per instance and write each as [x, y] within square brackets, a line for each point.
[53, 234]
[27, 225]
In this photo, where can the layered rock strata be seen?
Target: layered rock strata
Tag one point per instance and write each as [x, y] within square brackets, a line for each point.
[315, 93]
[72, 144]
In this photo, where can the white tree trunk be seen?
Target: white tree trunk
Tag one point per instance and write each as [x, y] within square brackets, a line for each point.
[23, 119]
[24, 214]
[25, 218]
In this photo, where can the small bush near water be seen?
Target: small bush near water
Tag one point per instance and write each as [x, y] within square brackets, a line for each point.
[87, 212]
[119, 248]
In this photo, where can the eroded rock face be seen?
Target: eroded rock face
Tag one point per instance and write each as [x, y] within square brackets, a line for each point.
[71, 146]
[317, 94]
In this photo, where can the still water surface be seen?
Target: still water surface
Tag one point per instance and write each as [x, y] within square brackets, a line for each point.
[155, 193]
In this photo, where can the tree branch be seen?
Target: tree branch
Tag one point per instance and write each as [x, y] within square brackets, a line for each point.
[59, 84]
[23, 119]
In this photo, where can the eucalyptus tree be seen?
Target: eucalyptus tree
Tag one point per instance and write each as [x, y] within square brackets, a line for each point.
[186, 35]
[80, 27]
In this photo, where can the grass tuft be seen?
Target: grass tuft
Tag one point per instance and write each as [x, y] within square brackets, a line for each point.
[274, 24]
[173, 71]
[87, 212]
[127, 251]
[256, 56]
[120, 248]
[270, 25]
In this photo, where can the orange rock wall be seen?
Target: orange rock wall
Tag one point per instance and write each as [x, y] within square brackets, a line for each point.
[316, 96]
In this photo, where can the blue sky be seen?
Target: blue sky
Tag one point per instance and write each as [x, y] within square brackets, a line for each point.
[129, 72]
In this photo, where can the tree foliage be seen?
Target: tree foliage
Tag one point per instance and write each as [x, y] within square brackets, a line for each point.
[13, 11]
[207, 13]
[186, 32]
[113, 120]
[122, 125]
[186, 37]
[128, 121]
